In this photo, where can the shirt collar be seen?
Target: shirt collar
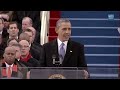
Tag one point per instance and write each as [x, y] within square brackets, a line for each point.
[30, 45]
[15, 37]
[59, 42]
[18, 59]
[8, 65]
[1, 32]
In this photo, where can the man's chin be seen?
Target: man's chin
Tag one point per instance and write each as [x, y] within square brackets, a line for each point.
[66, 39]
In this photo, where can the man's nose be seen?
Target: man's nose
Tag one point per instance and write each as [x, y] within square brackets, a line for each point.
[67, 31]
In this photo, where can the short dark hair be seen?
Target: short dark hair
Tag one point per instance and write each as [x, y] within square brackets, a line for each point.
[13, 22]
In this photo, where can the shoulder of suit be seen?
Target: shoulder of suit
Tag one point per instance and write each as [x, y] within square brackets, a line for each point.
[76, 43]
[19, 63]
[49, 43]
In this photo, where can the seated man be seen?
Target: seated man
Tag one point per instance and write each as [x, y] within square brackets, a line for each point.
[35, 51]
[10, 67]
[26, 56]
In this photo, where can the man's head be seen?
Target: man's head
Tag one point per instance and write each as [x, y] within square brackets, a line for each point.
[1, 24]
[9, 55]
[63, 29]
[26, 22]
[25, 48]
[12, 41]
[34, 32]
[13, 29]
[24, 36]
[30, 34]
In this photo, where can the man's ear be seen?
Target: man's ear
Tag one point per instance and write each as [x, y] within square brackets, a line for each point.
[18, 30]
[7, 30]
[4, 55]
[56, 30]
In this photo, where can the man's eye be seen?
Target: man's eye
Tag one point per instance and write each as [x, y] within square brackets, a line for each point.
[64, 29]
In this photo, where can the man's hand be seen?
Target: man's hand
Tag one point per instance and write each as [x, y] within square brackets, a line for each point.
[86, 74]
[5, 16]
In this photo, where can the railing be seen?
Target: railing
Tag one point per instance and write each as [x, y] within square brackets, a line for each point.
[61, 73]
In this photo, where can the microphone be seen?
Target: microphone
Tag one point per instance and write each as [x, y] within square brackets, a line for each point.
[56, 61]
[53, 57]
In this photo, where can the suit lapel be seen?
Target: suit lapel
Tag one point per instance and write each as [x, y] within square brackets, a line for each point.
[68, 52]
[55, 48]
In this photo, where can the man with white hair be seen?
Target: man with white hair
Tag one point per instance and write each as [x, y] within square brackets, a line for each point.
[27, 23]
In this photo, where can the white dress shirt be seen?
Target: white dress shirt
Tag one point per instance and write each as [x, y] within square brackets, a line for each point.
[1, 32]
[8, 66]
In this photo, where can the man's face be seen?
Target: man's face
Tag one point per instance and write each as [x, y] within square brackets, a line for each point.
[24, 47]
[13, 30]
[30, 36]
[1, 25]
[64, 31]
[9, 55]
[25, 24]
[34, 32]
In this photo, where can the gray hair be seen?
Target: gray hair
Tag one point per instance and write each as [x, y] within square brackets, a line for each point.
[61, 20]
[31, 22]
[17, 45]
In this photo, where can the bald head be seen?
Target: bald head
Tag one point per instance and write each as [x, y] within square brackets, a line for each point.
[9, 55]
[9, 48]
[25, 48]
[24, 42]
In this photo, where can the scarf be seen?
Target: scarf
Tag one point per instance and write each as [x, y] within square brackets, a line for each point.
[26, 58]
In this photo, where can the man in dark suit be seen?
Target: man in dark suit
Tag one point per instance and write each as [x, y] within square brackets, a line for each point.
[74, 52]
[10, 67]
[36, 51]
[62, 51]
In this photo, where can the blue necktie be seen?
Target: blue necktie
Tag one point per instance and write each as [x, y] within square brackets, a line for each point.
[62, 52]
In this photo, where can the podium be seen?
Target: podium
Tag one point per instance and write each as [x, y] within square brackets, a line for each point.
[66, 73]
[56, 73]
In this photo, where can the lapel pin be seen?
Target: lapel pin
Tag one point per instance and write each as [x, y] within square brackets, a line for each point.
[70, 51]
